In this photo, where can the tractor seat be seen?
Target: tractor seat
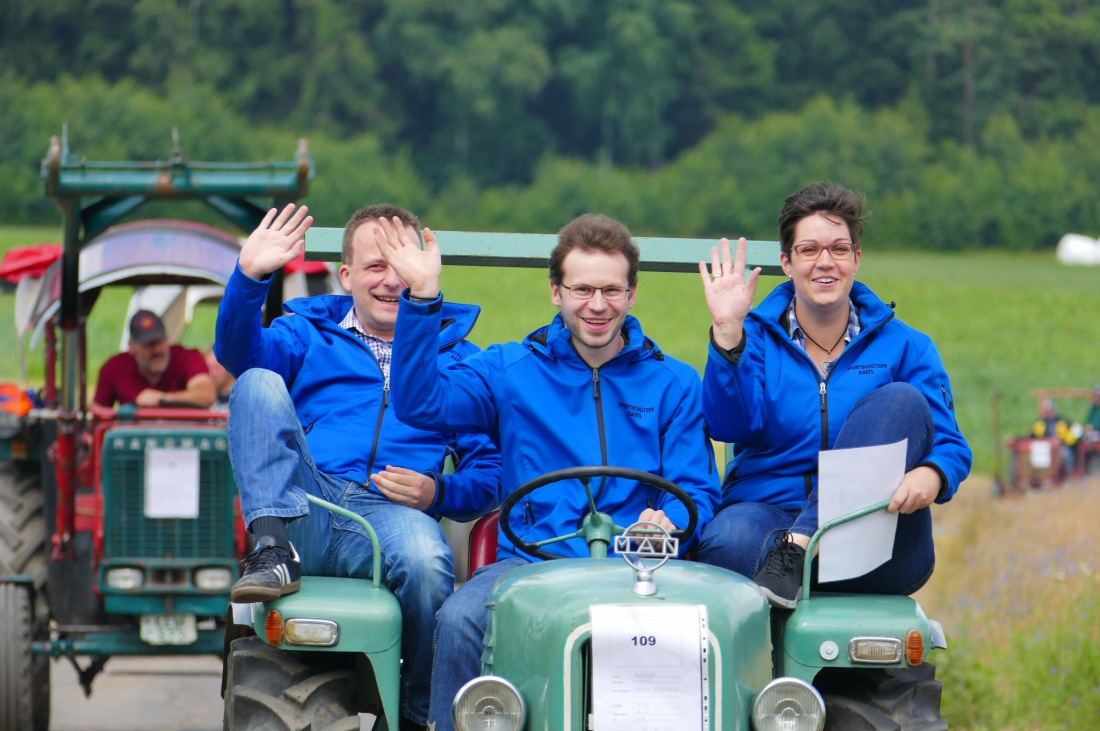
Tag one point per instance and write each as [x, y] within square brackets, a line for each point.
[483, 541]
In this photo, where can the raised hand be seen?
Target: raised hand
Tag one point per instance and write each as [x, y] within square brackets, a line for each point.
[420, 268]
[729, 294]
[279, 240]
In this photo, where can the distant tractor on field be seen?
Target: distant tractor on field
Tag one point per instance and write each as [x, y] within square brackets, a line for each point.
[1056, 447]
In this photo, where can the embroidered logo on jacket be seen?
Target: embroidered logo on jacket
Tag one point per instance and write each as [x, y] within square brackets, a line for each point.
[636, 412]
[866, 369]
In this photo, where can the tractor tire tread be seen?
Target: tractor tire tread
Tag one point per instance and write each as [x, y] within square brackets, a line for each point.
[895, 699]
[25, 680]
[268, 688]
[22, 524]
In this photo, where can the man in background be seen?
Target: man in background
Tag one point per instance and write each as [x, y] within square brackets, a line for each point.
[152, 372]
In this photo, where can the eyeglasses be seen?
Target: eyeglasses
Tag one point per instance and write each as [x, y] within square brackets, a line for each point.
[585, 292]
[812, 252]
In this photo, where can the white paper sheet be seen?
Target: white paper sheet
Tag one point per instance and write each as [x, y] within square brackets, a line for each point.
[848, 480]
[171, 483]
[1040, 454]
[649, 667]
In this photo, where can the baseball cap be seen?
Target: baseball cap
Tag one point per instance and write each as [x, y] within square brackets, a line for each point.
[145, 328]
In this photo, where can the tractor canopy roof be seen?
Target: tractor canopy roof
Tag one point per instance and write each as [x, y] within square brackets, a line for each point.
[148, 252]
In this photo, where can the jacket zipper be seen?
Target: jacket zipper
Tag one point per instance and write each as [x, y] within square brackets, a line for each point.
[378, 428]
[603, 434]
[822, 388]
[385, 398]
[824, 413]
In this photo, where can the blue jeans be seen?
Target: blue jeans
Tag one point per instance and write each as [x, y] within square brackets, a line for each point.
[274, 471]
[460, 638]
[741, 535]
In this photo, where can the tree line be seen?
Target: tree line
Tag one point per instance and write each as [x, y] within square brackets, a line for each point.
[969, 123]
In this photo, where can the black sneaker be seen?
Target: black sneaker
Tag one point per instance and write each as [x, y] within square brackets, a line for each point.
[780, 578]
[269, 572]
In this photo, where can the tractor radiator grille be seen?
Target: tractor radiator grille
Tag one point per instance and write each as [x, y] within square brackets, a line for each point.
[130, 533]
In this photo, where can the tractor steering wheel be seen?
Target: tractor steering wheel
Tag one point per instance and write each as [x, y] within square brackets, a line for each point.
[593, 523]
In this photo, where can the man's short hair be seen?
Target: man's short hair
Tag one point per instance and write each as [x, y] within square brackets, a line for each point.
[373, 213]
[822, 197]
[595, 232]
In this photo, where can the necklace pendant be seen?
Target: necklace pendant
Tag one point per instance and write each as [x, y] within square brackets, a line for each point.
[825, 365]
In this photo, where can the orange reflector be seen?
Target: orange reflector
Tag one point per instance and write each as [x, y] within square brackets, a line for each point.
[914, 647]
[273, 627]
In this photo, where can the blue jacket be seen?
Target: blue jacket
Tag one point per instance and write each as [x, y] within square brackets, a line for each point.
[778, 410]
[549, 410]
[342, 398]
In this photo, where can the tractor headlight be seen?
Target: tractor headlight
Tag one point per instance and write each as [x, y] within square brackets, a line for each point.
[875, 650]
[213, 579]
[788, 704]
[125, 579]
[316, 632]
[10, 424]
[489, 703]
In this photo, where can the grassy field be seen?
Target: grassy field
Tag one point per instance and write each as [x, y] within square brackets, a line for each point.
[1016, 585]
[1017, 588]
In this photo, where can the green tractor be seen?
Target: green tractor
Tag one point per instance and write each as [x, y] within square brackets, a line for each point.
[643, 640]
[639, 641]
[120, 531]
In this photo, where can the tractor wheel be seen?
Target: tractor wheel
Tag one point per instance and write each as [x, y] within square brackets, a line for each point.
[905, 699]
[22, 524]
[1092, 463]
[25, 680]
[272, 690]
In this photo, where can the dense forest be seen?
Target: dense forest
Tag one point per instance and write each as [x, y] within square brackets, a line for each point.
[969, 123]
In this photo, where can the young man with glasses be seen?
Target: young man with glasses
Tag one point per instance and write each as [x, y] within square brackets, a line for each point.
[840, 371]
[587, 389]
[310, 413]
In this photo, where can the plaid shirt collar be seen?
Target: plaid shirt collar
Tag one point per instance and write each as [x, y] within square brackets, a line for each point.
[799, 336]
[382, 349]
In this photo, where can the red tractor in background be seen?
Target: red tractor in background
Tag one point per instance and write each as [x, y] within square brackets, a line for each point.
[120, 531]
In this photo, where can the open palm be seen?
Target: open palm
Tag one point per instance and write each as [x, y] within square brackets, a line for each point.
[729, 293]
[420, 268]
[279, 240]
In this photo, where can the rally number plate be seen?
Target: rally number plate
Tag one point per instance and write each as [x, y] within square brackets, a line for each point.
[169, 629]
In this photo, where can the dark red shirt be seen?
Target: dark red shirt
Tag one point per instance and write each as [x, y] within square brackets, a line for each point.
[121, 382]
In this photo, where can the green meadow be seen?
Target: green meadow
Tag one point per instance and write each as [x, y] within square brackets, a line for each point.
[1016, 585]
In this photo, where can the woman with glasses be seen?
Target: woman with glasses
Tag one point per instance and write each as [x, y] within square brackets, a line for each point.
[822, 363]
